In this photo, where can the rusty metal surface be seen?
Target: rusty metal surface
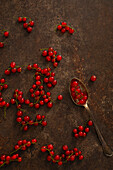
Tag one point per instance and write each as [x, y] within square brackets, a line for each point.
[87, 52]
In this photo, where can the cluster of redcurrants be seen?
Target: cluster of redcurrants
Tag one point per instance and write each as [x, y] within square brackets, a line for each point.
[69, 155]
[22, 145]
[3, 86]
[82, 131]
[5, 34]
[37, 91]
[63, 27]
[13, 69]
[27, 25]
[51, 55]
[78, 93]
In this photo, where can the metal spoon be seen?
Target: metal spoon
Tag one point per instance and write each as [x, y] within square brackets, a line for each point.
[106, 149]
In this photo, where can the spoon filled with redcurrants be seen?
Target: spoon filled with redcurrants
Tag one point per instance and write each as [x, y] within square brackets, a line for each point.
[79, 96]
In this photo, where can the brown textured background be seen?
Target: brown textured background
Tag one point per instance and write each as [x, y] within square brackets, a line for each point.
[87, 52]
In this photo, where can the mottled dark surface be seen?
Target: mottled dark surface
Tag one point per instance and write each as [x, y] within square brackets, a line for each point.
[87, 52]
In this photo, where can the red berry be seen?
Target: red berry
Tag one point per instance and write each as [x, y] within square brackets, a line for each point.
[6, 33]
[87, 129]
[8, 158]
[12, 64]
[24, 141]
[93, 78]
[71, 30]
[90, 123]
[80, 133]
[16, 147]
[19, 119]
[59, 57]
[49, 158]
[19, 159]
[60, 163]
[37, 105]
[60, 97]
[57, 157]
[26, 118]
[19, 19]
[67, 28]
[33, 141]
[54, 82]
[25, 25]
[43, 148]
[48, 58]
[38, 117]
[24, 19]
[1, 162]
[13, 70]
[44, 123]
[59, 27]
[27, 101]
[75, 149]
[13, 157]
[81, 128]
[67, 152]
[12, 101]
[72, 158]
[50, 147]
[64, 23]
[19, 69]
[44, 53]
[5, 86]
[76, 135]
[50, 104]
[7, 72]
[28, 144]
[31, 23]
[20, 142]
[55, 64]
[65, 147]
[81, 157]
[51, 79]
[3, 157]
[38, 83]
[29, 67]
[63, 30]
[84, 134]
[74, 130]
[49, 85]
[23, 147]
[29, 29]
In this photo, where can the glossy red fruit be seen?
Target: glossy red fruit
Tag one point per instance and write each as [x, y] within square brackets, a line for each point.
[6, 33]
[37, 106]
[81, 157]
[63, 30]
[75, 131]
[17, 147]
[93, 78]
[26, 118]
[34, 141]
[12, 64]
[64, 23]
[59, 57]
[23, 147]
[90, 123]
[38, 117]
[24, 141]
[29, 29]
[65, 147]
[49, 158]
[44, 123]
[19, 19]
[54, 82]
[19, 113]
[76, 135]
[71, 30]
[7, 72]
[29, 67]
[19, 159]
[48, 58]
[20, 142]
[50, 147]
[25, 25]
[19, 119]
[87, 129]
[31, 23]
[1, 44]
[55, 64]
[81, 128]
[8, 158]
[44, 53]
[3, 157]
[57, 157]
[72, 158]
[59, 27]
[60, 97]
[49, 104]
[43, 148]
[19, 69]
[24, 19]
[5, 86]
[60, 163]
[80, 133]
[13, 70]
[12, 101]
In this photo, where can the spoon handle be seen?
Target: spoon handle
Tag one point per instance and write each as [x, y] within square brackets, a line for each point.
[106, 149]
